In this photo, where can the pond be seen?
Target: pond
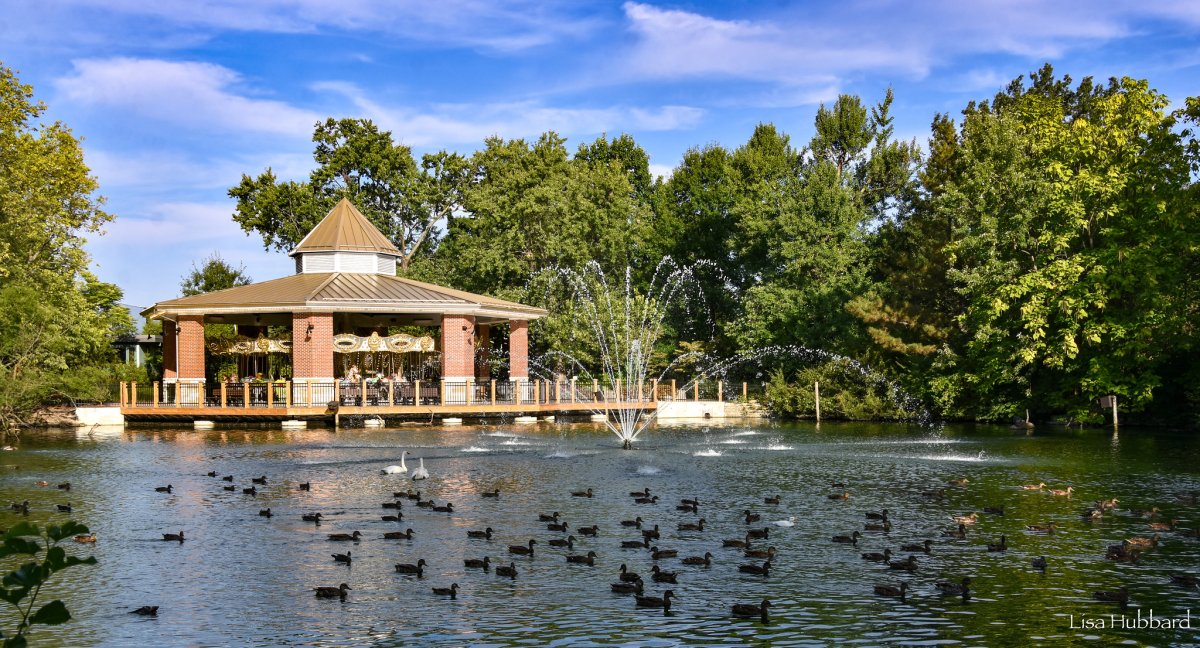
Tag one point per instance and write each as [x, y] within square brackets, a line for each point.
[244, 579]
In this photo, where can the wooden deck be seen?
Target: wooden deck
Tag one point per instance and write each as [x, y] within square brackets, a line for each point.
[413, 412]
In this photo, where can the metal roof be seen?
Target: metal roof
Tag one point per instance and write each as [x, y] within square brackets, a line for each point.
[345, 229]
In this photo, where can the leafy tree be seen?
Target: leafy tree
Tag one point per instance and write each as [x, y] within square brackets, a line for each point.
[22, 586]
[214, 274]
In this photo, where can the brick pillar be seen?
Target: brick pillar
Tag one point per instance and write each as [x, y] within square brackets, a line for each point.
[483, 350]
[170, 369]
[458, 347]
[312, 350]
[191, 348]
[518, 350]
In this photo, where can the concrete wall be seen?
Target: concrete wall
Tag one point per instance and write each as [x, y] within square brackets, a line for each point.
[89, 416]
[705, 409]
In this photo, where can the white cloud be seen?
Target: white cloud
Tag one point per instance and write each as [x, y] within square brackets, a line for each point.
[195, 95]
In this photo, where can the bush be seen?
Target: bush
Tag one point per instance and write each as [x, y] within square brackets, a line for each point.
[846, 393]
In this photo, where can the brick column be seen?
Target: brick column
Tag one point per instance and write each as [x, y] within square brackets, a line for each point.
[483, 350]
[170, 370]
[458, 347]
[312, 350]
[191, 348]
[518, 350]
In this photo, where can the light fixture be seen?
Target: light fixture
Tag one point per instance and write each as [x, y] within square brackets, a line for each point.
[308, 333]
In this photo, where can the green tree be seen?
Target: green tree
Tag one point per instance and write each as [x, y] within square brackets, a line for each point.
[22, 586]
[212, 275]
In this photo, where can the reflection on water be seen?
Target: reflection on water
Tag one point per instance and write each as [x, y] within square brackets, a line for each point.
[243, 579]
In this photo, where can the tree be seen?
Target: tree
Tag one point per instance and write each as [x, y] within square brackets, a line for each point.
[406, 201]
[214, 274]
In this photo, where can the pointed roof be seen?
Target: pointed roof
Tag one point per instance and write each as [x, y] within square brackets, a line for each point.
[345, 229]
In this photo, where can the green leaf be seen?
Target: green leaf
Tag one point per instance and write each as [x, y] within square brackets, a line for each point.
[67, 530]
[23, 530]
[19, 546]
[15, 642]
[52, 613]
[29, 575]
[13, 596]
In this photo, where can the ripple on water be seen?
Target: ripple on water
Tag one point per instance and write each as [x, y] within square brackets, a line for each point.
[648, 470]
[708, 452]
[476, 449]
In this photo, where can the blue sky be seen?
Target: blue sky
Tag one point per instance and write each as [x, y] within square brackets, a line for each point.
[175, 99]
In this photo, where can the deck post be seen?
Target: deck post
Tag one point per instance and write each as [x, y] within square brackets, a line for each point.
[696, 390]
[620, 395]
[595, 390]
[308, 393]
[121, 395]
[654, 390]
[674, 391]
[362, 392]
[337, 392]
[391, 393]
[417, 392]
[154, 396]
[223, 401]
[246, 394]
[471, 390]
[572, 389]
[745, 393]
[133, 392]
[270, 394]
[492, 386]
[557, 392]
[720, 390]
[287, 394]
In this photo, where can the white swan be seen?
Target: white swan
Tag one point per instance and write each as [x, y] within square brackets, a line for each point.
[396, 470]
[419, 472]
[790, 522]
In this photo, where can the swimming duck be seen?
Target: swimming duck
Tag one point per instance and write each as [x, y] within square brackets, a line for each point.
[837, 484]
[159, 489]
[948, 588]
[844, 495]
[922, 547]
[705, 560]
[760, 570]
[508, 571]
[768, 553]
[891, 590]
[230, 488]
[173, 537]
[1146, 513]
[1038, 563]
[758, 534]
[542, 517]
[647, 500]
[311, 517]
[994, 510]
[1106, 505]
[1115, 596]
[633, 587]
[848, 539]
[773, 500]
[392, 505]
[651, 534]
[739, 544]
[876, 556]
[959, 533]
[64, 508]
[881, 515]
[227, 478]
[999, 546]
[644, 543]
[475, 563]
[42, 483]
[750, 610]
[448, 508]
[663, 602]
[420, 472]
[643, 493]
[409, 568]
[1163, 526]
[398, 535]
[394, 469]
[695, 501]
[493, 493]
[1144, 542]
[212, 473]
[1092, 514]
[259, 480]
[306, 486]
[588, 530]
[628, 576]
[751, 518]
[569, 543]
[345, 537]
[146, 610]
[959, 483]
[636, 522]
[1032, 487]
[790, 522]
[687, 526]
[589, 559]
[965, 519]
[583, 493]
[687, 508]
[1063, 493]
[556, 526]
[341, 558]
[425, 503]
[884, 526]
[451, 591]
[265, 512]
[660, 576]
[908, 564]
[89, 538]
[522, 550]
[1044, 529]
[1124, 552]
[398, 517]
[332, 592]
[1187, 580]
[936, 493]
[408, 495]
[250, 491]
[659, 554]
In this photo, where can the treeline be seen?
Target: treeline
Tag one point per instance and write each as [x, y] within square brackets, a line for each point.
[1040, 251]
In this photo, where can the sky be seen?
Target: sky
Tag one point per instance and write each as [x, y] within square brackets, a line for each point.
[176, 99]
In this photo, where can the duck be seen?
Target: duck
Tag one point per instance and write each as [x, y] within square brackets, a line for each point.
[345, 537]
[392, 505]
[306, 486]
[64, 508]
[1187, 580]
[1163, 526]
[146, 610]
[1106, 505]
[884, 526]
[758, 534]
[556, 526]
[311, 517]
[660, 576]
[994, 510]
[688, 526]
[1032, 487]
[653, 499]
[398, 517]
[1114, 596]
[642, 493]
[448, 508]
[659, 554]
[688, 508]
[844, 495]
[628, 576]
[396, 469]
[399, 535]
[881, 515]
[1038, 563]
[65, 486]
[1144, 542]
[588, 530]
[230, 488]
[893, 591]
[569, 542]
[341, 558]
[999, 546]
[644, 543]
[751, 518]
[250, 491]
[582, 493]
[41, 483]
[476, 563]
[705, 560]
[1146, 513]
[227, 478]
[425, 504]
[420, 472]
[589, 559]
[265, 512]
[739, 544]
[921, 547]
[211, 473]
[876, 556]
[451, 591]
[1092, 514]
[663, 602]
[332, 592]
[553, 517]
[768, 553]
[85, 538]
[635, 522]
[633, 587]
[751, 610]
[1044, 529]
[908, 564]
[508, 571]
[522, 550]
[492, 493]
[408, 495]
[694, 501]
[1063, 493]
[936, 493]
[173, 537]
[837, 485]
[848, 539]
[790, 522]
[971, 518]
[259, 480]
[409, 568]
[959, 483]
[774, 501]
[651, 534]
[1123, 552]
[159, 489]
[948, 588]
[960, 533]
[759, 570]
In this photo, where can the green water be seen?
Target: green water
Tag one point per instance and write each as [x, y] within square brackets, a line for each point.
[243, 579]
